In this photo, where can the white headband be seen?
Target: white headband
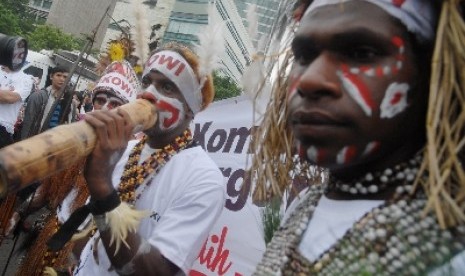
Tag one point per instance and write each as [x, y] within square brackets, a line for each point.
[178, 70]
[417, 15]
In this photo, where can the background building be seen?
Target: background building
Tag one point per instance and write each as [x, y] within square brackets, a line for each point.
[123, 19]
[267, 11]
[78, 18]
[81, 17]
[40, 9]
[189, 16]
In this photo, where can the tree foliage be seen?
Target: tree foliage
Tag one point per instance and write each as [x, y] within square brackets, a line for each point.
[52, 38]
[225, 87]
[15, 18]
[9, 22]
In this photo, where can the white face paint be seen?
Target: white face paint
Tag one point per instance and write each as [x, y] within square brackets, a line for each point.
[346, 155]
[357, 89]
[312, 154]
[177, 69]
[395, 100]
[171, 111]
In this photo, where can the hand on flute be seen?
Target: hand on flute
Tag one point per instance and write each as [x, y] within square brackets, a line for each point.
[113, 130]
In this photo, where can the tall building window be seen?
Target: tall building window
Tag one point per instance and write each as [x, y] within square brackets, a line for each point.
[47, 4]
[37, 3]
[150, 3]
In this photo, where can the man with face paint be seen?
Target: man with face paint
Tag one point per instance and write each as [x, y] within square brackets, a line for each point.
[117, 86]
[357, 105]
[165, 174]
[66, 191]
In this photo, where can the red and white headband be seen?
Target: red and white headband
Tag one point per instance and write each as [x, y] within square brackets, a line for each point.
[177, 69]
[417, 15]
[120, 79]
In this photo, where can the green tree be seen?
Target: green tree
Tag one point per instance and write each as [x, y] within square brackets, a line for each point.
[15, 18]
[52, 38]
[225, 87]
[9, 22]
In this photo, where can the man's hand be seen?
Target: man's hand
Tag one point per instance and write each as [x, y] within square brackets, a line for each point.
[9, 96]
[114, 130]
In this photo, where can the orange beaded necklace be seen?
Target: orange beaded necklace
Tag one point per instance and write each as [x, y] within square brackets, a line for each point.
[134, 175]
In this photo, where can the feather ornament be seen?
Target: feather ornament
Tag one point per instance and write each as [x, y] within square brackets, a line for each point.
[253, 78]
[122, 220]
[211, 44]
[252, 21]
[84, 233]
[141, 30]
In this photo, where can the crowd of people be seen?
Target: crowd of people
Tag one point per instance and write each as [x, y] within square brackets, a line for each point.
[374, 96]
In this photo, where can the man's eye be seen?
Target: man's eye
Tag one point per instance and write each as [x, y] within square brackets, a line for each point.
[362, 53]
[146, 82]
[304, 57]
[100, 101]
[167, 87]
[304, 52]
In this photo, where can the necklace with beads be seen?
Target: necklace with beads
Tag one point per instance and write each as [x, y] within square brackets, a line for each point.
[135, 175]
[402, 176]
[395, 238]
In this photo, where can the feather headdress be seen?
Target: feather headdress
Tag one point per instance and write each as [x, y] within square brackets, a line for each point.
[141, 30]
[211, 45]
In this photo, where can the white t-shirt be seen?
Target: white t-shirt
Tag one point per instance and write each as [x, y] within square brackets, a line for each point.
[22, 84]
[185, 198]
[333, 218]
[64, 209]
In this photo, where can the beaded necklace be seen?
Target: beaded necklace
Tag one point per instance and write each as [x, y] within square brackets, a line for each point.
[134, 175]
[395, 238]
[402, 176]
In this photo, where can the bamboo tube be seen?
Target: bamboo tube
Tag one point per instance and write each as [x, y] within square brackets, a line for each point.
[42, 155]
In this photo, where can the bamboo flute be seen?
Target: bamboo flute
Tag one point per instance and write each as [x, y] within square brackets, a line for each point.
[42, 155]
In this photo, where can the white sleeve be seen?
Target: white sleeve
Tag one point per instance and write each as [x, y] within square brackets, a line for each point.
[185, 225]
[23, 85]
[455, 267]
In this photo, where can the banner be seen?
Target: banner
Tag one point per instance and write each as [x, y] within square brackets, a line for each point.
[236, 243]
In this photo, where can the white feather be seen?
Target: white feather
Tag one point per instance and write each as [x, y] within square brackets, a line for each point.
[252, 21]
[211, 44]
[141, 30]
[253, 78]
[123, 220]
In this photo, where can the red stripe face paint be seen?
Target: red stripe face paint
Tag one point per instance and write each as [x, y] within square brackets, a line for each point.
[171, 111]
[316, 155]
[346, 155]
[294, 82]
[351, 80]
[357, 90]
[371, 148]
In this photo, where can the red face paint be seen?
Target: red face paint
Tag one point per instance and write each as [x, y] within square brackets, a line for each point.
[346, 155]
[371, 148]
[358, 90]
[398, 3]
[293, 87]
[169, 114]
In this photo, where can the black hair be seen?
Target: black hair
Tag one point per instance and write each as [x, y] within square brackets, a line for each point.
[59, 69]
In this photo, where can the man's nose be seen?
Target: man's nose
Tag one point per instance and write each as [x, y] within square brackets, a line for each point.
[320, 78]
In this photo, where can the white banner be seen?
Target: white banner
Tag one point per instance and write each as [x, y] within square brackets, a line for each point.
[236, 243]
